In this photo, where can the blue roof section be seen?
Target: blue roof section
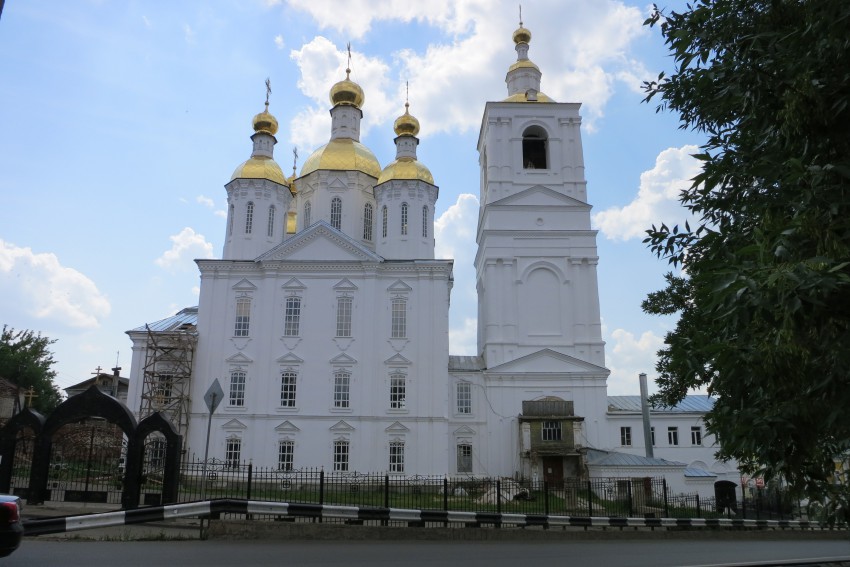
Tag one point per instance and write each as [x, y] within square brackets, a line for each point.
[698, 473]
[691, 404]
[186, 316]
[613, 459]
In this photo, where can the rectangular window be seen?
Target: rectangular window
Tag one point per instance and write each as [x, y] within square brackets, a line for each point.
[672, 435]
[285, 455]
[696, 435]
[464, 458]
[341, 456]
[424, 222]
[652, 434]
[342, 389]
[249, 218]
[162, 389]
[464, 397]
[397, 457]
[551, 430]
[384, 222]
[404, 219]
[626, 436]
[292, 317]
[270, 230]
[343, 317]
[397, 391]
[233, 453]
[243, 318]
[399, 323]
[287, 389]
[237, 389]
[367, 222]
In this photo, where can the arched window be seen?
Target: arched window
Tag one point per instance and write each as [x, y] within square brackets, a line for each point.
[425, 222]
[270, 231]
[384, 220]
[336, 213]
[367, 222]
[534, 148]
[249, 218]
[230, 223]
[404, 219]
[307, 211]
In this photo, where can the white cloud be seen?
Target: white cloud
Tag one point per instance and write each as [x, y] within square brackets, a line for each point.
[221, 213]
[39, 286]
[657, 200]
[146, 21]
[188, 34]
[185, 246]
[206, 201]
[628, 356]
[278, 41]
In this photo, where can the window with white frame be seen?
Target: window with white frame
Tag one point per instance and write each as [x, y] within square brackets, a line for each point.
[626, 436]
[464, 397]
[292, 317]
[308, 208]
[237, 389]
[464, 458]
[696, 435]
[233, 452]
[336, 213]
[398, 391]
[404, 219]
[384, 220]
[425, 222]
[249, 218]
[288, 381]
[367, 222]
[343, 317]
[342, 389]
[397, 456]
[341, 456]
[270, 229]
[285, 455]
[551, 431]
[672, 435]
[399, 318]
[243, 317]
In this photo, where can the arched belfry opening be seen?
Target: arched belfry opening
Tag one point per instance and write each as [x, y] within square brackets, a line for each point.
[534, 148]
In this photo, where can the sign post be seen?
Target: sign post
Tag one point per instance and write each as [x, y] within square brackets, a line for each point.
[212, 398]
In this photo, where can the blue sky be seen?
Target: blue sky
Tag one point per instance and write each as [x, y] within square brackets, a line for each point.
[121, 121]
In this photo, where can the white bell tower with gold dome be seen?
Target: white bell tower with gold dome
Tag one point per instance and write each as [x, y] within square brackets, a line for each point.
[405, 196]
[258, 197]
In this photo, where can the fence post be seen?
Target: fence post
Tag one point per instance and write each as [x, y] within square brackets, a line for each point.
[666, 502]
[744, 500]
[499, 502]
[445, 494]
[386, 491]
[699, 510]
[589, 499]
[250, 478]
[631, 503]
[546, 497]
[321, 490]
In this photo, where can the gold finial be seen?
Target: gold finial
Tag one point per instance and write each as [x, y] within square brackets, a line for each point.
[520, 15]
[294, 159]
[268, 89]
[348, 66]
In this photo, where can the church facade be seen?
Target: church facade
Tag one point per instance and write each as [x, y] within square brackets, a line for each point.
[326, 319]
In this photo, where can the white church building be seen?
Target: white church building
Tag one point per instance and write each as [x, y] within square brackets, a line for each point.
[326, 318]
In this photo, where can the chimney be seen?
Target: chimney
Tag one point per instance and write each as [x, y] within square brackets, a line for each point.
[644, 408]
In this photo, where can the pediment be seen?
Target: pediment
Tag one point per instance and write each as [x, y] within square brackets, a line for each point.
[290, 358]
[287, 426]
[238, 358]
[345, 285]
[539, 196]
[244, 285]
[464, 430]
[294, 284]
[399, 286]
[320, 242]
[234, 424]
[341, 425]
[548, 361]
[397, 359]
[397, 427]
[343, 358]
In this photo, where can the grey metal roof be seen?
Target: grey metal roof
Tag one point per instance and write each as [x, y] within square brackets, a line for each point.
[466, 363]
[698, 473]
[691, 404]
[613, 459]
[186, 316]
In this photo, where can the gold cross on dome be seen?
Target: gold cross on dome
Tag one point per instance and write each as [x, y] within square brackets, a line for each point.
[28, 396]
[268, 89]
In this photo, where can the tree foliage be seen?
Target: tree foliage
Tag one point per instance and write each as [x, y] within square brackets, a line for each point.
[26, 360]
[764, 296]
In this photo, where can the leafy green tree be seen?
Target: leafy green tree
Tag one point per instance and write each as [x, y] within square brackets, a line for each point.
[26, 360]
[763, 295]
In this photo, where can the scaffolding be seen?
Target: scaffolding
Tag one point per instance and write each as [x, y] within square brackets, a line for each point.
[167, 375]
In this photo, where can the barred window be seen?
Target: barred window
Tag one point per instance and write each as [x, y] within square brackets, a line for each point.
[287, 389]
[551, 430]
[464, 458]
[292, 317]
[425, 222]
[398, 394]
[336, 213]
[307, 210]
[404, 219]
[341, 456]
[367, 222]
[237, 389]
[233, 452]
[397, 457]
[343, 317]
[249, 218]
[626, 436]
[399, 319]
[243, 318]
[342, 389]
[464, 397]
[285, 455]
[384, 222]
[270, 231]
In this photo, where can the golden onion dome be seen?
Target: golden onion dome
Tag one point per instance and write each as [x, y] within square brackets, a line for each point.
[406, 124]
[265, 123]
[521, 97]
[260, 167]
[406, 168]
[347, 92]
[522, 35]
[343, 154]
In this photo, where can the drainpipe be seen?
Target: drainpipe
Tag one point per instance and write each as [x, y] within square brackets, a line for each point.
[644, 408]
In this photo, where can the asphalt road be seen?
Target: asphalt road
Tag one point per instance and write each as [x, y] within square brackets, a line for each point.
[681, 553]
